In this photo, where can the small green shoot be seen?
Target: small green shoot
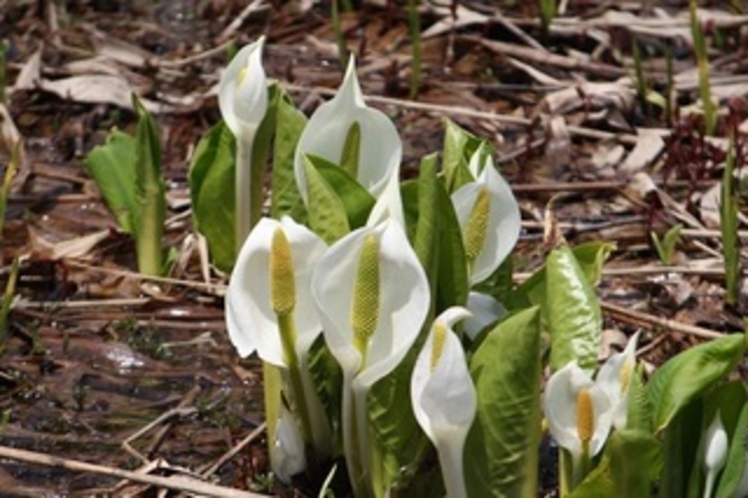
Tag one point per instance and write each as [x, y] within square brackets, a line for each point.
[670, 88]
[10, 171]
[337, 27]
[548, 12]
[702, 59]
[414, 20]
[127, 170]
[666, 247]
[325, 491]
[8, 296]
[728, 214]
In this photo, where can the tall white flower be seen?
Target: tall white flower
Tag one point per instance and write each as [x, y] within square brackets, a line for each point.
[444, 398]
[715, 446]
[489, 217]
[346, 125]
[615, 379]
[579, 415]
[243, 101]
[373, 297]
[269, 308]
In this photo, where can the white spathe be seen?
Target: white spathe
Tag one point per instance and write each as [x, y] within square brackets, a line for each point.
[484, 310]
[715, 448]
[252, 323]
[562, 393]
[615, 379]
[444, 398]
[325, 135]
[287, 455]
[504, 219]
[242, 92]
[403, 302]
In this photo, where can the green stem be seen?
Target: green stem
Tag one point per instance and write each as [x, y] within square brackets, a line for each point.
[581, 466]
[337, 27]
[288, 339]
[243, 209]
[350, 436]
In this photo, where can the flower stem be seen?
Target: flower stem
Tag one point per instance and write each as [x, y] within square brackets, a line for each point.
[450, 462]
[243, 211]
[288, 339]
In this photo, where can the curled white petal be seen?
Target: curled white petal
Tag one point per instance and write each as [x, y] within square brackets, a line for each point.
[504, 219]
[404, 300]
[287, 456]
[326, 131]
[242, 91]
[561, 396]
[250, 319]
[716, 446]
[615, 378]
[484, 310]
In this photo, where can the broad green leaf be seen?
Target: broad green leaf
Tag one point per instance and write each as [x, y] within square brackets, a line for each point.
[426, 233]
[112, 167]
[639, 410]
[452, 282]
[401, 442]
[327, 214]
[349, 157]
[212, 191]
[356, 199]
[736, 458]
[459, 145]
[150, 197]
[591, 257]
[501, 452]
[684, 377]
[625, 469]
[572, 312]
[679, 451]
[285, 197]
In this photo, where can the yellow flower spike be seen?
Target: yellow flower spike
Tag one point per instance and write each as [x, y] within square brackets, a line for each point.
[440, 335]
[365, 306]
[282, 278]
[474, 233]
[585, 417]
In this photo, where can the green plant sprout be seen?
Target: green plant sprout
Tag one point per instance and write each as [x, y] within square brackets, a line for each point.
[337, 27]
[548, 12]
[8, 297]
[127, 170]
[666, 247]
[642, 85]
[4, 48]
[702, 60]
[10, 171]
[729, 222]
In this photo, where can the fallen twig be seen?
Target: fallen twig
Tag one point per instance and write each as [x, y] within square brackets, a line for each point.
[640, 319]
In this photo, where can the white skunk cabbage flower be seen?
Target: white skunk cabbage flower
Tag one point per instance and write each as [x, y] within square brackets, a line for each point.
[345, 130]
[578, 411]
[242, 91]
[715, 451]
[243, 101]
[373, 297]
[484, 310]
[287, 454]
[489, 217]
[615, 379]
[271, 283]
[444, 398]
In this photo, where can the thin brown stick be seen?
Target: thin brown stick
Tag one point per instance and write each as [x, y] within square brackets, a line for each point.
[233, 451]
[177, 483]
[640, 319]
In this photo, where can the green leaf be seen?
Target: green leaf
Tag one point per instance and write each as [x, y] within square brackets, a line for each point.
[357, 201]
[212, 178]
[459, 145]
[349, 157]
[327, 214]
[150, 197]
[501, 452]
[684, 377]
[625, 468]
[591, 257]
[679, 451]
[399, 438]
[452, 284]
[285, 197]
[112, 167]
[572, 312]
